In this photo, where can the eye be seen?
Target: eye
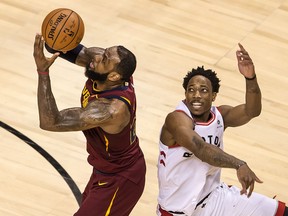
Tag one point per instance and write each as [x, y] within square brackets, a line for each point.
[104, 59]
[204, 90]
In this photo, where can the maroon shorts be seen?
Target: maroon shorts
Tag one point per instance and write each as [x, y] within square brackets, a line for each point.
[112, 195]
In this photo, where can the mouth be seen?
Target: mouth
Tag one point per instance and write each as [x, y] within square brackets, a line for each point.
[196, 105]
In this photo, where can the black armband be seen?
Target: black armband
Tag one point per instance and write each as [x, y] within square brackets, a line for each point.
[69, 55]
[252, 78]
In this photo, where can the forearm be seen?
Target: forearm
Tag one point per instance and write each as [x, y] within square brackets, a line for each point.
[47, 106]
[253, 98]
[215, 156]
[76, 56]
[80, 55]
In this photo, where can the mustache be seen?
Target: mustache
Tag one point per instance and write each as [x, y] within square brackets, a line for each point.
[95, 75]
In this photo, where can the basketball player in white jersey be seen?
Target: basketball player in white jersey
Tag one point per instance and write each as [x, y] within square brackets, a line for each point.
[191, 152]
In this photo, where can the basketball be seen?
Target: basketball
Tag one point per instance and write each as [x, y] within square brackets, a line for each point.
[62, 29]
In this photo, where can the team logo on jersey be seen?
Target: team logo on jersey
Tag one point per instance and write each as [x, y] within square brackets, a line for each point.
[219, 125]
[187, 154]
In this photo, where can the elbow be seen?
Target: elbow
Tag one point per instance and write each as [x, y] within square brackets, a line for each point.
[254, 114]
[257, 112]
[44, 127]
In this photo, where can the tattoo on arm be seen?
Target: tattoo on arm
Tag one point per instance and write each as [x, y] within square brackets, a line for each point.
[72, 119]
[97, 112]
[214, 155]
[46, 103]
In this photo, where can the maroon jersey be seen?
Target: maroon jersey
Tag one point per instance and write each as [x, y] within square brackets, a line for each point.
[114, 153]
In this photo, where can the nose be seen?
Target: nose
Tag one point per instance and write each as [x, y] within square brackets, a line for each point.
[196, 94]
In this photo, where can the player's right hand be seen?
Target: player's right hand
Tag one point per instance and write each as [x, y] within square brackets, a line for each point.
[42, 62]
[247, 178]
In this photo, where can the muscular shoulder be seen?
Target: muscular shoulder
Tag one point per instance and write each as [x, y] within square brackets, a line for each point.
[175, 123]
[112, 115]
[224, 109]
[178, 118]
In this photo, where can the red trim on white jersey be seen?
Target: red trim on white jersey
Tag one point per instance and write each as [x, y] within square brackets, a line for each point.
[209, 122]
[201, 123]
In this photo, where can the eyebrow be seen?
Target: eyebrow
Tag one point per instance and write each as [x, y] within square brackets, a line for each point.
[106, 54]
[200, 87]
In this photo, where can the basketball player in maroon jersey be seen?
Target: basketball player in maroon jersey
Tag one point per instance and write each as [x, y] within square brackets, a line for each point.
[107, 117]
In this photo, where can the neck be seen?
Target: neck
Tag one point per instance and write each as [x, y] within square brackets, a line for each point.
[102, 86]
[205, 117]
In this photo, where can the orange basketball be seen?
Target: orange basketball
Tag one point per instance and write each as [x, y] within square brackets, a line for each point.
[62, 29]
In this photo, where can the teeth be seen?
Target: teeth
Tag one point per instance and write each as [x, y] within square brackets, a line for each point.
[196, 104]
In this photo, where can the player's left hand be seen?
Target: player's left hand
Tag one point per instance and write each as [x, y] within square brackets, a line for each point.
[247, 178]
[42, 62]
[245, 63]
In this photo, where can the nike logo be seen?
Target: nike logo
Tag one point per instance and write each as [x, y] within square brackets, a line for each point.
[102, 183]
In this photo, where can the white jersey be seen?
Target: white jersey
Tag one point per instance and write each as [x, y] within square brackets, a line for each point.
[183, 178]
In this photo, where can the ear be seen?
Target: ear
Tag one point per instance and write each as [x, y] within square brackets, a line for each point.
[214, 96]
[114, 76]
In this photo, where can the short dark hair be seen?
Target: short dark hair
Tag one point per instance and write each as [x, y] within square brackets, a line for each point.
[127, 64]
[209, 74]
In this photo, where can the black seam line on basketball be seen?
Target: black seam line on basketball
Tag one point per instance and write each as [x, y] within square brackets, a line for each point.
[79, 23]
[62, 28]
[72, 185]
[48, 25]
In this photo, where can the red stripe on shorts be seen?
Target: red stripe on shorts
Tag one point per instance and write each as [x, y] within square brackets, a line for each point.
[280, 209]
[163, 212]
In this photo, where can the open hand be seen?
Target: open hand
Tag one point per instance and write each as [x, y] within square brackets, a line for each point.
[42, 62]
[245, 63]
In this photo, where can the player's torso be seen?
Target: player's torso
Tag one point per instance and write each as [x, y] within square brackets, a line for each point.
[180, 171]
[111, 152]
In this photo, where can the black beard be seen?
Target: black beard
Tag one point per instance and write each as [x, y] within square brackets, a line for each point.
[95, 75]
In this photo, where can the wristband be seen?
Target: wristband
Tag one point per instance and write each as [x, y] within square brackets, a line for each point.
[252, 78]
[43, 72]
[70, 55]
[240, 164]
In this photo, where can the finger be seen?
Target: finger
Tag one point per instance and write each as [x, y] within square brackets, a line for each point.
[243, 191]
[241, 47]
[36, 44]
[242, 53]
[258, 180]
[41, 42]
[239, 56]
[54, 57]
[39, 38]
[251, 188]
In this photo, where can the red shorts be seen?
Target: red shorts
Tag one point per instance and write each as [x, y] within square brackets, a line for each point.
[107, 194]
